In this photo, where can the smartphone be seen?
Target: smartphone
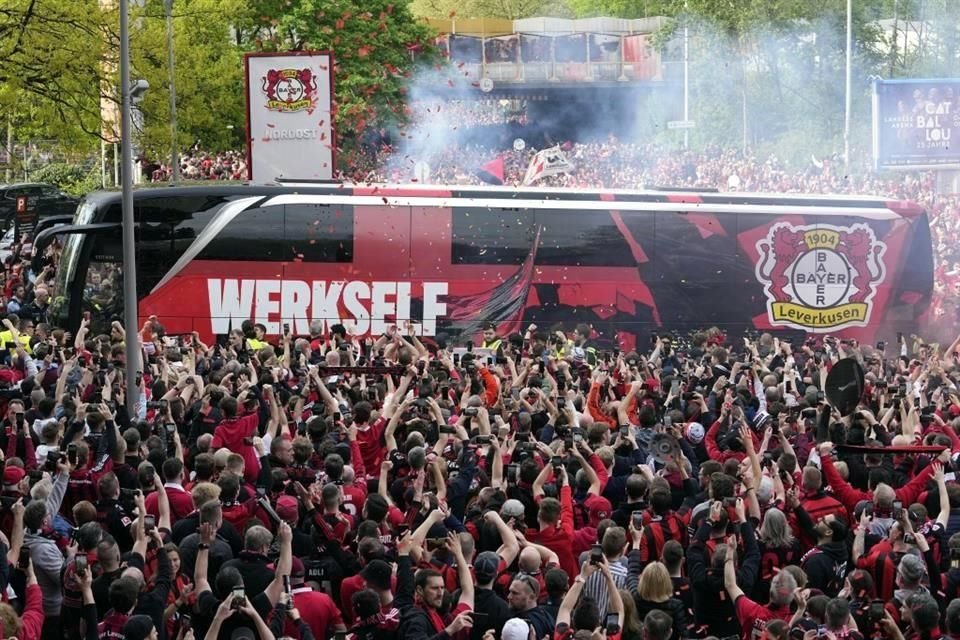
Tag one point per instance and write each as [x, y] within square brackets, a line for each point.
[916, 402]
[23, 560]
[613, 623]
[149, 522]
[513, 472]
[86, 316]
[675, 387]
[238, 597]
[339, 635]
[881, 346]
[667, 421]
[624, 432]
[20, 418]
[287, 590]
[596, 554]
[897, 509]
[80, 562]
[286, 328]
[637, 517]
[556, 462]
[876, 611]
[72, 453]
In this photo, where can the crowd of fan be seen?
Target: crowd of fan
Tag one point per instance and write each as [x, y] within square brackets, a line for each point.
[199, 165]
[532, 486]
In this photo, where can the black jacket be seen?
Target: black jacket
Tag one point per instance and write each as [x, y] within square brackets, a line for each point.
[414, 622]
[711, 604]
[826, 567]
[497, 613]
[672, 607]
[154, 601]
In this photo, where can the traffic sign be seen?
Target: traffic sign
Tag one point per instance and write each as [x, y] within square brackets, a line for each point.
[681, 124]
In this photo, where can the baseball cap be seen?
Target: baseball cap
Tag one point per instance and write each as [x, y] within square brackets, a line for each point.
[598, 509]
[377, 574]
[694, 432]
[515, 629]
[297, 570]
[243, 633]
[138, 627]
[13, 475]
[761, 420]
[287, 509]
[486, 566]
[512, 508]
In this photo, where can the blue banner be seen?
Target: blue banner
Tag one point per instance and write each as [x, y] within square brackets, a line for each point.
[916, 123]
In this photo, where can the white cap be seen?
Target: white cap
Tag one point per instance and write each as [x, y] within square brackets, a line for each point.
[515, 629]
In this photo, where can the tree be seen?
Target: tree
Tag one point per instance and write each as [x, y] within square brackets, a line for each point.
[52, 56]
[209, 75]
[376, 44]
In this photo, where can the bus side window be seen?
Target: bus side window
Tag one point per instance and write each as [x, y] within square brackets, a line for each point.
[482, 235]
[321, 232]
[252, 236]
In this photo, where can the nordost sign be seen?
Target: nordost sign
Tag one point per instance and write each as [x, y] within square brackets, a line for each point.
[820, 276]
[289, 125]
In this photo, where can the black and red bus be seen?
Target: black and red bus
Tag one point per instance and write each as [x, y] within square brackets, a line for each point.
[448, 259]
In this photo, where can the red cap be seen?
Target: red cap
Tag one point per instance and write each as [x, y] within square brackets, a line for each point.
[287, 509]
[597, 509]
[954, 411]
[13, 475]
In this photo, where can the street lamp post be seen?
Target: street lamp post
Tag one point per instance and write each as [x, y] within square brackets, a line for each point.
[132, 339]
[174, 159]
[847, 97]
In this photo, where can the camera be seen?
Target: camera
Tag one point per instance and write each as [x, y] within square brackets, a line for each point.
[470, 412]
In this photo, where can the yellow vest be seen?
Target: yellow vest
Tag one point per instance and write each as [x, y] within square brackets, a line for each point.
[7, 337]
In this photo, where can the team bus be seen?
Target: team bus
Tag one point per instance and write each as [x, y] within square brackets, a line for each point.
[448, 259]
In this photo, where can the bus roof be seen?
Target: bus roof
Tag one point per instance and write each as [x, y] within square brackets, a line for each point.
[400, 194]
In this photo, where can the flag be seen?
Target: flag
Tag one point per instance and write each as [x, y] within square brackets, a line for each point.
[492, 172]
[548, 162]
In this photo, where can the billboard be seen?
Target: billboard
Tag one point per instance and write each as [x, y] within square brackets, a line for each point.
[916, 123]
[290, 130]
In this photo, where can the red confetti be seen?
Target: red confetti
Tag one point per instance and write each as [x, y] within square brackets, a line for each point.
[363, 52]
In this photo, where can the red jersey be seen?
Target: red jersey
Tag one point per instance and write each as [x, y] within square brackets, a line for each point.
[559, 538]
[754, 617]
[235, 434]
[372, 449]
[317, 610]
[181, 504]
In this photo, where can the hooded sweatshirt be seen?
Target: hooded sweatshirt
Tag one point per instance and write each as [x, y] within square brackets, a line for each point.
[826, 567]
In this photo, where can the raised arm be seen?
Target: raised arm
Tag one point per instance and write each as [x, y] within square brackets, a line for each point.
[463, 570]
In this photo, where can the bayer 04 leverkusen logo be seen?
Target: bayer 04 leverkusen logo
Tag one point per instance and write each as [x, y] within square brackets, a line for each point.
[290, 90]
[820, 276]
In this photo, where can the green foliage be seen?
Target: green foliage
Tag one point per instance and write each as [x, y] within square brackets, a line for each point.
[374, 44]
[70, 178]
[209, 75]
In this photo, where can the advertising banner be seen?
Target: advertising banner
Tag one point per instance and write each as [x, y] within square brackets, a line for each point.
[290, 130]
[916, 123]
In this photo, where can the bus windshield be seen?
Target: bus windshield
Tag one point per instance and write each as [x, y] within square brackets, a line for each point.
[89, 268]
